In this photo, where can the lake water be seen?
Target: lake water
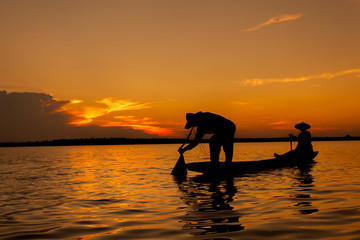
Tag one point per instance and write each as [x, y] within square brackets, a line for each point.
[126, 192]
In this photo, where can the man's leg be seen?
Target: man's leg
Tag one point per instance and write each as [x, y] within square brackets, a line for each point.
[215, 148]
[229, 144]
[229, 150]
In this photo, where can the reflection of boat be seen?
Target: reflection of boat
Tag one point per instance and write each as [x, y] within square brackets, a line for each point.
[250, 166]
[216, 210]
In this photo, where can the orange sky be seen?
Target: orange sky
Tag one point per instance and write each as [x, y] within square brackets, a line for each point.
[132, 68]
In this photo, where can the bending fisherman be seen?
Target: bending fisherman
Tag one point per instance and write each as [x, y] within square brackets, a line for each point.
[210, 123]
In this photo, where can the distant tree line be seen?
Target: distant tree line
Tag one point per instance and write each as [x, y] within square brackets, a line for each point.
[129, 141]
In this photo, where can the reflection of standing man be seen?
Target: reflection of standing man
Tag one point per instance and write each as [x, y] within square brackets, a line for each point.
[210, 123]
[203, 196]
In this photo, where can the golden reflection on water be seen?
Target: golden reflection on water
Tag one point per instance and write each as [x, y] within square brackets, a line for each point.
[122, 168]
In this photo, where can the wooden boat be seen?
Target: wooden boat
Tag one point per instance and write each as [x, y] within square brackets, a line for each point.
[236, 168]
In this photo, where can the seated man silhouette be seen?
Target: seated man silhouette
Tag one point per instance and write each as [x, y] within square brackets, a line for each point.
[304, 147]
[210, 123]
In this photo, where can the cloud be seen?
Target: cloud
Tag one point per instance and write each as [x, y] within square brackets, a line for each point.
[281, 122]
[27, 116]
[241, 103]
[107, 105]
[262, 81]
[103, 115]
[273, 20]
[281, 125]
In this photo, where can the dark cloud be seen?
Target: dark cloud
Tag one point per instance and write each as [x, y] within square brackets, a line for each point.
[27, 116]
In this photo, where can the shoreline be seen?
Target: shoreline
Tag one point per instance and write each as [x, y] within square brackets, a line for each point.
[140, 141]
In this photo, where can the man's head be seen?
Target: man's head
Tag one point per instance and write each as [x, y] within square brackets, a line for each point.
[192, 119]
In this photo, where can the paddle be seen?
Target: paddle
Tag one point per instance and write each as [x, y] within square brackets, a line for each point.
[180, 167]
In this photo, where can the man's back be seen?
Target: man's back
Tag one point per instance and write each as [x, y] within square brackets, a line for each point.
[212, 123]
[304, 142]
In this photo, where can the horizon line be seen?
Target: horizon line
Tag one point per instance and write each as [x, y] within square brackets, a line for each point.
[139, 141]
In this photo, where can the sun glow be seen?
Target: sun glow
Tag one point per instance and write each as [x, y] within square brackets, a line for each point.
[161, 131]
[75, 101]
[145, 124]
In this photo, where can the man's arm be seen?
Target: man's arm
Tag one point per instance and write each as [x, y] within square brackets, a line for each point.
[293, 137]
[199, 135]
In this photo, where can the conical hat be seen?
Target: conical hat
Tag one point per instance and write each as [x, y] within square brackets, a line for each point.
[302, 125]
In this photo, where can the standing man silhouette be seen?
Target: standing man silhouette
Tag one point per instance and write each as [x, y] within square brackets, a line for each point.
[210, 123]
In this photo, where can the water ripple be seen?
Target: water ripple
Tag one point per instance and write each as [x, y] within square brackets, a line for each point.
[126, 192]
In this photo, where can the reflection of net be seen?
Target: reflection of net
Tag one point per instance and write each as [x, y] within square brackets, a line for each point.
[202, 150]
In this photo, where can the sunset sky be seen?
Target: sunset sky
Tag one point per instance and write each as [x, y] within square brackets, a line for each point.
[84, 68]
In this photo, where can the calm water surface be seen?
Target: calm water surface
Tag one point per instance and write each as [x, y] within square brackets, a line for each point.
[126, 192]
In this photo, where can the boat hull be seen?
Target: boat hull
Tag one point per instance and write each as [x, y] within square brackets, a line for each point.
[235, 168]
